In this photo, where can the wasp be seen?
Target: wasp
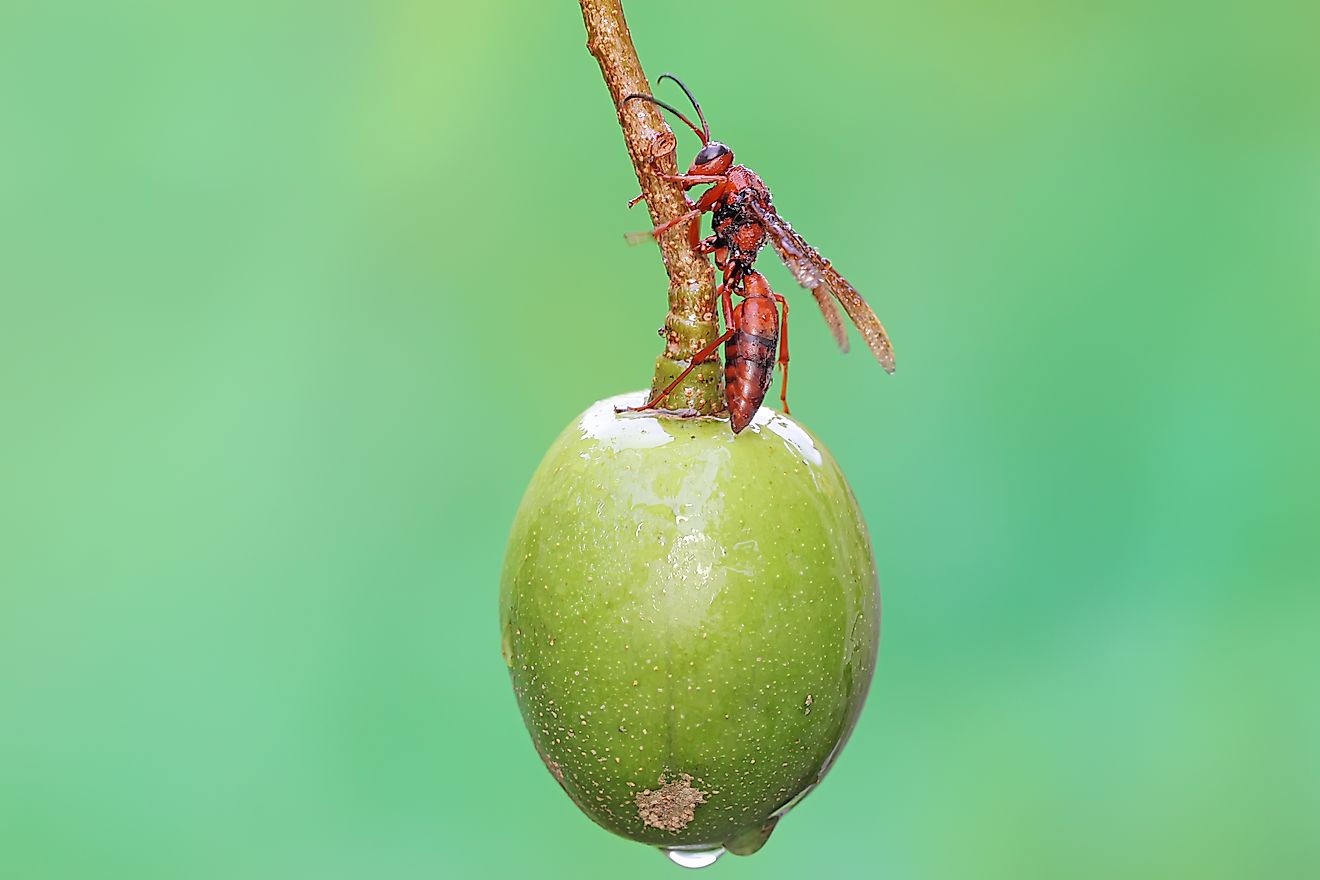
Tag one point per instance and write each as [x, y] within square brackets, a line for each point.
[743, 218]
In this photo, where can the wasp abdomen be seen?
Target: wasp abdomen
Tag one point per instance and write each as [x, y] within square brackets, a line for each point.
[749, 358]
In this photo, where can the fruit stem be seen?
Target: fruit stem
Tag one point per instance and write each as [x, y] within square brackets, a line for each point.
[691, 323]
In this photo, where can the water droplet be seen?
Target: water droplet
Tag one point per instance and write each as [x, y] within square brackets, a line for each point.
[694, 857]
[750, 840]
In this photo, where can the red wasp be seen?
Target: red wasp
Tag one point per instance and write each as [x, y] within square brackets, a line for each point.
[743, 218]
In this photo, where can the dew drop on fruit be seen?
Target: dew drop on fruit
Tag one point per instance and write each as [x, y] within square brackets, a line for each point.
[694, 858]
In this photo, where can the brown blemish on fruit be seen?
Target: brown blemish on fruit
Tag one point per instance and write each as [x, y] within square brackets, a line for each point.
[672, 806]
[555, 770]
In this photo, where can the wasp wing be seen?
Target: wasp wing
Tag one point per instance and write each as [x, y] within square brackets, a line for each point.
[815, 273]
[796, 256]
[832, 317]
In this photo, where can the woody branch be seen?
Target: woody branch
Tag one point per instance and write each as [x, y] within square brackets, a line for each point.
[691, 323]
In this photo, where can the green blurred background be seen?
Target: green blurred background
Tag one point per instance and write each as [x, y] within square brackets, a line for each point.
[295, 295]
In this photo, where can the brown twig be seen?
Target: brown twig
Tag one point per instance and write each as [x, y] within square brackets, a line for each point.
[691, 323]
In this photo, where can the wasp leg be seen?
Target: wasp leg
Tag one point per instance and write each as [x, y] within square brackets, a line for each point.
[726, 303]
[708, 245]
[694, 232]
[691, 216]
[783, 352]
[698, 358]
[695, 179]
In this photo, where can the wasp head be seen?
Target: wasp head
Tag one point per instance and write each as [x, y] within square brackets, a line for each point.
[714, 158]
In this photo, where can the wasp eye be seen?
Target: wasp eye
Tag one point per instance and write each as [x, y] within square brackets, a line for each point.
[710, 152]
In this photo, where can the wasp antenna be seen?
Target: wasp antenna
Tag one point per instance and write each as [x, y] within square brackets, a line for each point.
[654, 100]
[705, 126]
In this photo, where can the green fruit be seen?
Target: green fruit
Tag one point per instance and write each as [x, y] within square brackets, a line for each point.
[690, 621]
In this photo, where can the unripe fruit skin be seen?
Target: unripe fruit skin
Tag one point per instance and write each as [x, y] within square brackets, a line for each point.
[689, 617]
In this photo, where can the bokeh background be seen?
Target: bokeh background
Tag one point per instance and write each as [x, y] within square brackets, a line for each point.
[294, 295]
